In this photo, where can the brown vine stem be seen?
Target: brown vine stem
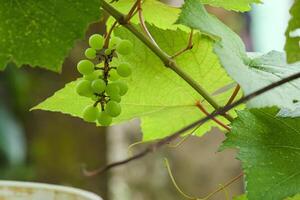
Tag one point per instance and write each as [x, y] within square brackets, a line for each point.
[165, 58]
[188, 47]
[202, 108]
[107, 36]
[234, 94]
[153, 147]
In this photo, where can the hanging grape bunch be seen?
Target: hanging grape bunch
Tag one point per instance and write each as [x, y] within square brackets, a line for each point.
[102, 82]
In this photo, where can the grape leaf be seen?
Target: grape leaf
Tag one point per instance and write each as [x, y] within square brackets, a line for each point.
[269, 150]
[236, 5]
[157, 95]
[165, 16]
[40, 33]
[251, 72]
[292, 45]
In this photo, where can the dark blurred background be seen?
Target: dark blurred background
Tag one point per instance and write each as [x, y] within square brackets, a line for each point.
[51, 147]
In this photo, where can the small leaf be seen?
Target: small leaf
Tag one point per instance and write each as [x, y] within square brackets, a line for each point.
[292, 45]
[251, 72]
[41, 33]
[164, 17]
[269, 148]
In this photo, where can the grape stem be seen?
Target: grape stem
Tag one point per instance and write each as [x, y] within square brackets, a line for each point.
[107, 36]
[234, 94]
[188, 47]
[153, 147]
[165, 58]
[203, 110]
[143, 24]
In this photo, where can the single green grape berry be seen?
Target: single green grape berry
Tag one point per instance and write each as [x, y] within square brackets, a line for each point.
[95, 75]
[85, 67]
[83, 88]
[115, 97]
[104, 119]
[113, 109]
[114, 41]
[112, 89]
[90, 113]
[124, 69]
[123, 87]
[113, 75]
[98, 86]
[107, 51]
[96, 41]
[124, 47]
[90, 53]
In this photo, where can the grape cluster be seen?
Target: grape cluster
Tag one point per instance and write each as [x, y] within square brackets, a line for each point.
[101, 81]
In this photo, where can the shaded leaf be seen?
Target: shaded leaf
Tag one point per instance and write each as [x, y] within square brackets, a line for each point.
[269, 150]
[41, 33]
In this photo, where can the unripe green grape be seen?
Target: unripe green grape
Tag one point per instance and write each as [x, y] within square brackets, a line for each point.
[96, 41]
[90, 113]
[83, 88]
[100, 64]
[115, 97]
[113, 75]
[107, 51]
[85, 67]
[114, 41]
[95, 75]
[98, 86]
[123, 87]
[104, 119]
[124, 47]
[124, 69]
[113, 108]
[112, 89]
[90, 53]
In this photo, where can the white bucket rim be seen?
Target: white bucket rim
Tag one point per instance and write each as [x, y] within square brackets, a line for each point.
[51, 187]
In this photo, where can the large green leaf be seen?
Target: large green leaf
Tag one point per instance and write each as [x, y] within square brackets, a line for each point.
[251, 72]
[236, 5]
[156, 94]
[269, 148]
[292, 45]
[41, 32]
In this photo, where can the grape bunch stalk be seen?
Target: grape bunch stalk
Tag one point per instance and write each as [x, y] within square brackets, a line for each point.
[103, 81]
